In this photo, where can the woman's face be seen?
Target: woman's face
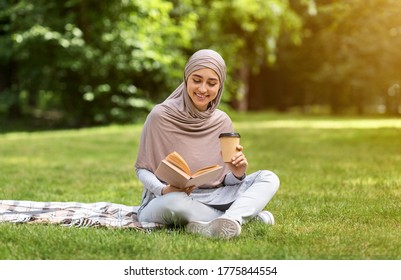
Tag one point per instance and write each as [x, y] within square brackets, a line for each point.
[202, 87]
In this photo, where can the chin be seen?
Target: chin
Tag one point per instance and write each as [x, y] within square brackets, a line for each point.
[201, 106]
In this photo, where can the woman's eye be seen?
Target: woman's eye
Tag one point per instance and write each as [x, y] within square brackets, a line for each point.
[196, 81]
[212, 84]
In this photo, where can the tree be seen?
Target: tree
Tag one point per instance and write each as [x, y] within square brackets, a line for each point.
[91, 62]
[349, 56]
[246, 33]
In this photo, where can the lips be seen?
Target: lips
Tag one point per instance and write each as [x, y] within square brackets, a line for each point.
[201, 96]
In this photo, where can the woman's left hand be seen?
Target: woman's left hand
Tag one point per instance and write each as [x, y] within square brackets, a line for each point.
[239, 163]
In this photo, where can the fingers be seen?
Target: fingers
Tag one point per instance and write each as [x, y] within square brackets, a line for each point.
[189, 190]
[170, 188]
[240, 161]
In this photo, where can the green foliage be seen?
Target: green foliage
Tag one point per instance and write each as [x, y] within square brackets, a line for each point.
[95, 62]
[349, 57]
[90, 62]
[82, 63]
[338, 199]
[245, 32]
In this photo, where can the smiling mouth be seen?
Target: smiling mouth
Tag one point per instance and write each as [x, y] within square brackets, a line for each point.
[201, 96]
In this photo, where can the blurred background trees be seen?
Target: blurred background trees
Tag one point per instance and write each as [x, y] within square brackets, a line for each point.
[85, 62]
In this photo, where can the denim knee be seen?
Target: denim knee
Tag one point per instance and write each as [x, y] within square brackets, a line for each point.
[270, 178]
[175, 202]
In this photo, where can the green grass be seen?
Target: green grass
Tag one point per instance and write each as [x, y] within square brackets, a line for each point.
[340, 194]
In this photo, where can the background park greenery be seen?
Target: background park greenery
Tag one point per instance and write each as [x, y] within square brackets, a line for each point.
[83, 63]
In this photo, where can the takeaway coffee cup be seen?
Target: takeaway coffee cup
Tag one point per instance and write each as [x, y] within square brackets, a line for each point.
[228, 144]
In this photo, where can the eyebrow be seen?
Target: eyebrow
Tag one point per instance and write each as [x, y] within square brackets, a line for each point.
[199, 76]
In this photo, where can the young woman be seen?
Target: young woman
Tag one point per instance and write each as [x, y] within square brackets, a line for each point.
[189, 122]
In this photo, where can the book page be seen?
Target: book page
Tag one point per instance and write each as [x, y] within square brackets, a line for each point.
[206, 169]
[169, 173]
[178, 161]
[204, 178]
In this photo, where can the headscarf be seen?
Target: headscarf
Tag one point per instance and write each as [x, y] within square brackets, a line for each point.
[177, 125]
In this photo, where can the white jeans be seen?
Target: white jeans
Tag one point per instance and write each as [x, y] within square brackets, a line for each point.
[243, 202]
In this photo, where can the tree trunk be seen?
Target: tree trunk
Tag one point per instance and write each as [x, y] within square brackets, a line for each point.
[14, 110]
[334, 99]
[243, 93]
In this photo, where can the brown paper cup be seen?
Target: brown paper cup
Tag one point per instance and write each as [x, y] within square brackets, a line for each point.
[228, 144]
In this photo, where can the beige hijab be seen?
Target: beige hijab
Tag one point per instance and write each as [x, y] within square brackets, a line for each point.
[177, 125]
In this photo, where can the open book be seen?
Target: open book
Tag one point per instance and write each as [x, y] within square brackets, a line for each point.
[175, 171]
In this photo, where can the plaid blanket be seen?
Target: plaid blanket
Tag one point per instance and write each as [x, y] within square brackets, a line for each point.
[73, 214]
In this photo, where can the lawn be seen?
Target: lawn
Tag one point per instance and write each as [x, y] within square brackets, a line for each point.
[340, 193]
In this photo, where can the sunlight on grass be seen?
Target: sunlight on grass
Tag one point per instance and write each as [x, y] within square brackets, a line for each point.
[322, 124]
[74, 133]
[21, 160]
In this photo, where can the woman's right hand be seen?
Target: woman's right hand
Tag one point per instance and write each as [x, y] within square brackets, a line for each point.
[170, 188]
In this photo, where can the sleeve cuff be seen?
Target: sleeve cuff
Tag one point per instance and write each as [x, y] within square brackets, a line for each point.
[240, 178]
[230, 179]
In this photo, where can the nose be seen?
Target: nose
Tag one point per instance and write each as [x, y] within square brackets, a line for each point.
[202, 88]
